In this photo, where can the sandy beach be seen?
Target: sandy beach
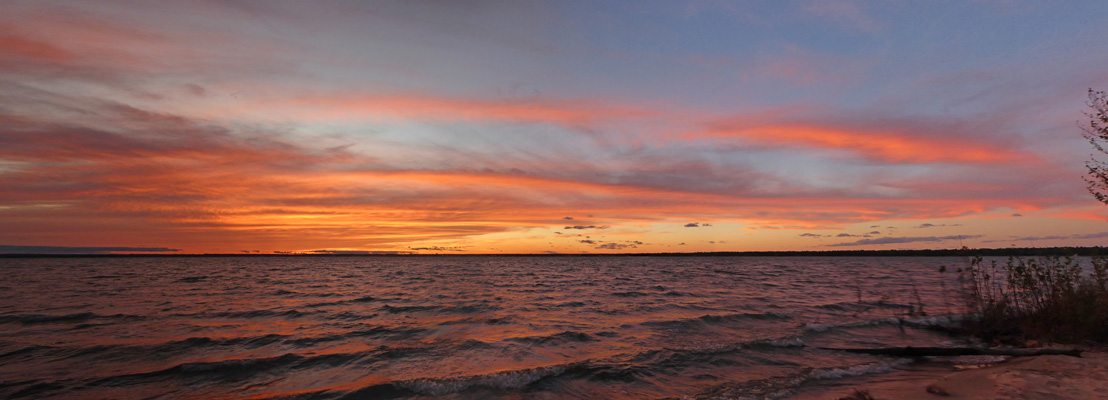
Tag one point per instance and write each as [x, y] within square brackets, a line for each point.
[1030, 378]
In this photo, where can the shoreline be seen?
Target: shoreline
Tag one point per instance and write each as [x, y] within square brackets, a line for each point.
[9, 251]
[1023, 378]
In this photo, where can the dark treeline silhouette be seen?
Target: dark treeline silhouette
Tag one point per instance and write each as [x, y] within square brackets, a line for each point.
[1008, 251]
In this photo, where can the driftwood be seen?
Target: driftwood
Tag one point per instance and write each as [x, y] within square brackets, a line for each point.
[957, 351]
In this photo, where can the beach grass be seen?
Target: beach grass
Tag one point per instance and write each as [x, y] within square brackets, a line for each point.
[1048, 298]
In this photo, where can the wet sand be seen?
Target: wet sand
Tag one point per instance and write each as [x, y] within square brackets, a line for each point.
[1025, 378]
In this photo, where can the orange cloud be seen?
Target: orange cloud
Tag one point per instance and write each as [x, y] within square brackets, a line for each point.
[888, 145]
[147, 179]
[352, 106]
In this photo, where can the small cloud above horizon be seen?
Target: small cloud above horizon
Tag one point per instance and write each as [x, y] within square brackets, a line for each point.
[616, 246]
[850, 235]
[901, 240]
[347, 252]
[439, 248]
[929, 225]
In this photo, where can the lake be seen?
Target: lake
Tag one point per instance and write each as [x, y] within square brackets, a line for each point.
[459, 327]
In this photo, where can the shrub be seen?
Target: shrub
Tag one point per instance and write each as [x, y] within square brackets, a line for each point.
[1047, 298]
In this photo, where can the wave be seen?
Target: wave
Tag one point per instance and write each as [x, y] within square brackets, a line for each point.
[857, 370]
[695, 354]
[34, 319]
[193, 344]
[711, 319]
[144, 351]
[258, 314]
[513, 379]
[233, 370]
[855, 306]
[571, 304]
[363, 299]
[935, 322]
[612, 370]
[25, 350]
[555, 339]
[36, 389]
[500, 380]
[785, 386]
[407, 309]
[350, 316]
[192, 279]
[460, 309]
[470, 309]
[629, 294]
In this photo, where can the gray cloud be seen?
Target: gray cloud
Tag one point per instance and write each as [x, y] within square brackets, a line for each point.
[615, 246]
[196, 90]
[898, 240]
[349, 252]
[692, 225]
[439, 248]
[926, 225]
[587, 227]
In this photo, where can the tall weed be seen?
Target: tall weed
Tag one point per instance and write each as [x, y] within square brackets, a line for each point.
[1045, 298]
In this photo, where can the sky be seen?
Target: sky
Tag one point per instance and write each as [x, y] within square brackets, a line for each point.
[547, 127]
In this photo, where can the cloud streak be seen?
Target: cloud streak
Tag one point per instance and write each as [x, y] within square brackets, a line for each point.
[902, 240]
[12, 249]
[887, 141]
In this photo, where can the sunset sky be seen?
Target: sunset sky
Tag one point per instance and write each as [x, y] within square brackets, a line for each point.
[532, 127]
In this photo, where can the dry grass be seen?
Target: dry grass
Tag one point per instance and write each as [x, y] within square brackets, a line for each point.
[1045, 298]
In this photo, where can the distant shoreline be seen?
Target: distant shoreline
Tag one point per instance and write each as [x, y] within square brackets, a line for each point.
[1013, 251]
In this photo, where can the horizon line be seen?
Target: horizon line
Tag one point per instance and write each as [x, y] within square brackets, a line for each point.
[1017, 251]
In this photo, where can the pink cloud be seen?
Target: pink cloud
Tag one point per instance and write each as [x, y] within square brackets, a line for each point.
[357, 105]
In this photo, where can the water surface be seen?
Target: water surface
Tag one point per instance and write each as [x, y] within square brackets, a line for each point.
[456, 327]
